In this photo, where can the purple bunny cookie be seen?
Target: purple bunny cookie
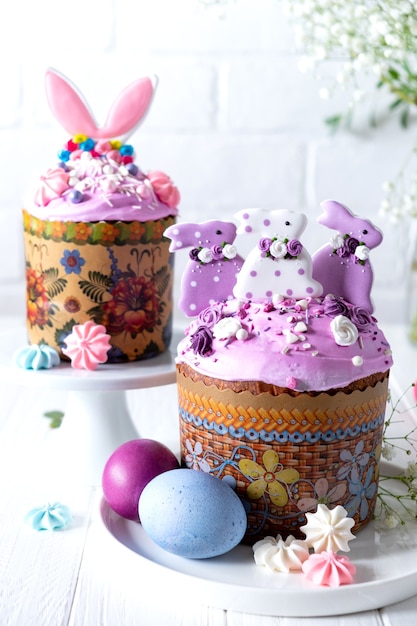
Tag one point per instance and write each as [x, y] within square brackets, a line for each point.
[343, 267]
[210, 274]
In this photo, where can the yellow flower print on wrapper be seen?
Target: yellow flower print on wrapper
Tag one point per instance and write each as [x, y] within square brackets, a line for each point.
[268, 479]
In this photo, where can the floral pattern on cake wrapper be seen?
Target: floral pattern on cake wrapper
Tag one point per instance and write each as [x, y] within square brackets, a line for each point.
[125, 300]
[103, 233]
[270, 491]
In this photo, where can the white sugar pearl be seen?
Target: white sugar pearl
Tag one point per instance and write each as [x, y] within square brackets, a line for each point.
[357, 361]
[242, 334]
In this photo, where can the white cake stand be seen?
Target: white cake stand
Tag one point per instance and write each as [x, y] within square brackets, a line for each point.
[97, 419]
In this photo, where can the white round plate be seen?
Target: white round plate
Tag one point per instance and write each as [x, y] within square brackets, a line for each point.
[386, 572]
[159, 370]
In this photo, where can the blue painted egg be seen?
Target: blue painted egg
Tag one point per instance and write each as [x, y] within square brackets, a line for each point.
[192, 514]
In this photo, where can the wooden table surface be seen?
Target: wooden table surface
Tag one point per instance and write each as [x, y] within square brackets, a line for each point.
[82, 576]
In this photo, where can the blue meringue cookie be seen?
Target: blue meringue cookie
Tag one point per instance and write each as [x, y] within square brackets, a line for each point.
[49, 517]
[36, 357]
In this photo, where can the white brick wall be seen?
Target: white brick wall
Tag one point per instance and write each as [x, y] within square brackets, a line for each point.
[233, 121]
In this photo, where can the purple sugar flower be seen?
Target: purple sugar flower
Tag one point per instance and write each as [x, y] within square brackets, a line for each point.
[351, 244]
[193, 254]
[202, 341]
[264, 244]
[360, 317]
[342, 251]
[211, 315]
[294, 247]
[334, 306]
[217, 252]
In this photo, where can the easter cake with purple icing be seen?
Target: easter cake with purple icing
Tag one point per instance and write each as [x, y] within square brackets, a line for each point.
[93, 231]
[283, 372]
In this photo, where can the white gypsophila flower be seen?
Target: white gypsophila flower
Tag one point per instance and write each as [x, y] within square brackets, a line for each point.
[390, 520]
[388, 452]
[226, 328]
[344, 331]
[410, 471]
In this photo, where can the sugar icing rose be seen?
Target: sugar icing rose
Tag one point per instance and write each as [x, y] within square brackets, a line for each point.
[344, 331]
[201, 341]
[294, 247]
[360, 317]
[226, 328]
[217, 252]
[211, 315]
[205, 255]
[335, 306]
[362, 253]
[278, 249]
[336, 241]
[229, 251]
[265, 244]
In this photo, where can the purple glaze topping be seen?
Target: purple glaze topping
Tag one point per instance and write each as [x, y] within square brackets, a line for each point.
[292, 340]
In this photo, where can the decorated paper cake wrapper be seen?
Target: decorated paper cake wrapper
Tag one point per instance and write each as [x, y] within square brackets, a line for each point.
[285, 453]
[119, 274]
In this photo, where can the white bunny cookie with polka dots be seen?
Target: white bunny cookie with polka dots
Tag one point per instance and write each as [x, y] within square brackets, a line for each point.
[279, 264]
[211, 272]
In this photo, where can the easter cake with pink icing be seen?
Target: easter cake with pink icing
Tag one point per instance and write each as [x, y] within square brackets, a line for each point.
[283, 371]
[93, 228]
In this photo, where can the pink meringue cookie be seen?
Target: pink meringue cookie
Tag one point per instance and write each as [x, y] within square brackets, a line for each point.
[52, 184]
[164, 188]
[87, 345]
[329, 568]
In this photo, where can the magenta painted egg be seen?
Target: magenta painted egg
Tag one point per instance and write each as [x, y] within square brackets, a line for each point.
[129, 469]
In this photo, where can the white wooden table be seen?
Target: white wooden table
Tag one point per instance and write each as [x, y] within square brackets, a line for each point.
[82, 576]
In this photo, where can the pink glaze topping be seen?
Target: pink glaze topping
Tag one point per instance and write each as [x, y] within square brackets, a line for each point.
[329, 568]
[308, 344]
[87, 345]
[96, 177]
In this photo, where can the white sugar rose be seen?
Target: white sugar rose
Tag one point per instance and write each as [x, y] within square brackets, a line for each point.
[229, 251]
[362, 253]
[344, 332]
[226, 328]
[336, 241]
[278, 249]
[205, 255]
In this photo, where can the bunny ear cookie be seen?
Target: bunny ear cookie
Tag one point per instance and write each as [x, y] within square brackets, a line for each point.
[71, 111]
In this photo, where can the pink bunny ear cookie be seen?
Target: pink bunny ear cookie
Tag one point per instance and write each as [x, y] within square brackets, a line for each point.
[70, 109]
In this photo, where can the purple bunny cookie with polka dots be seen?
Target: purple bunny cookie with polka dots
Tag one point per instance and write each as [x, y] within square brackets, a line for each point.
[343, 267]
[210, 274]
[279, 264]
